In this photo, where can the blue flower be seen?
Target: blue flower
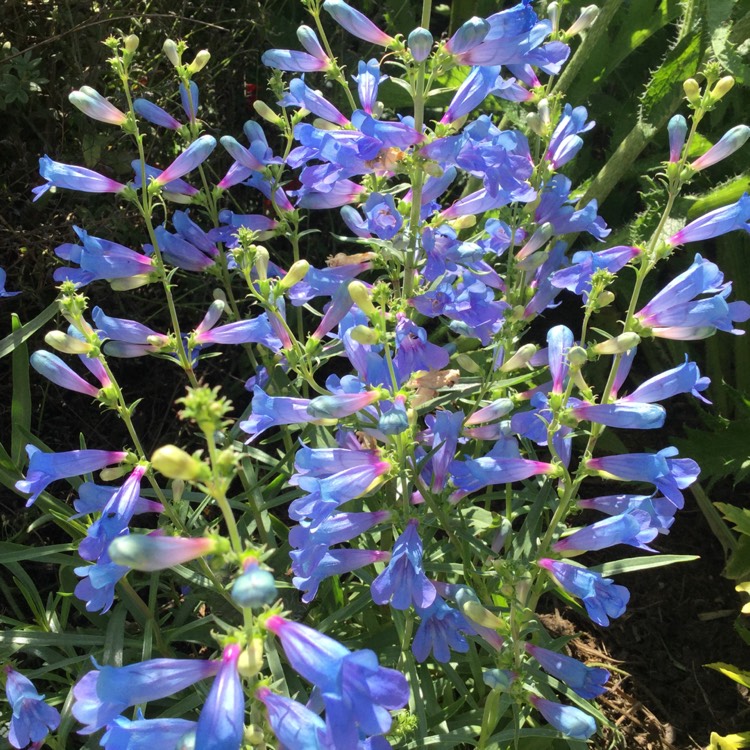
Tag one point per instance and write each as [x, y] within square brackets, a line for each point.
[570, 720]
[632, 528]
[294, 725]
[32, 719]
[123, 734]
[3, 292]
[403, 582]
[105, 692]
[221, 724]
[588, 682]
[439, 632]
[715, 223]
[71, 177]
[356, 23]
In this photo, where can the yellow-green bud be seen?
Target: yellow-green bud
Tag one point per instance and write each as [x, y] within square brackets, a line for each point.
[200, 61]
[264, 111]
[465, 362]
[67, 344]
[172, 53]
[577, 356]
[297, 271]
[520, 358]
[481, 616]
[692, 91]
[114, 472]
[131, 43]
[254, 735]
[251, 659]
[722, 88]
[584, 21]
[433, 169]
[362, 298]
[261, 262]
[619, 344]
[605, 298]
[364, 335]
[175, 463]
[131, 282]
[464, 222]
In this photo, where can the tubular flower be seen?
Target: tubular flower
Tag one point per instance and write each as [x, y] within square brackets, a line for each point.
[221, 723]
[403, 582]
[71, 177]
[32, 719]
[588, 682]
[123, 734]
[93, 104]
[104, 693]
[570, 720]
[294, 725]
[632, 528]
[356, 23]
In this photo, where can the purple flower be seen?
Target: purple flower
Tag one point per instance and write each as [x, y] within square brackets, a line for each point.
[559, 342]
[555, 207]
[189, 99]
[669, 475]
[420, 44]
[149, 552]
[577, 277]
[45, 468]
[3, 292]
[588, 682]
[255, 587]
[293, 61]
[357, 692]
[472, 92]
[677, 129]
[221, 724]
[32, 719]
[383, 219]
[715, 223]
[570, 720]
[659, 509]
[155, 114]
[403, 582]
[439, 632]
[469, 35]
[53, 368]
[675, 313]
[71, 177]
[123, 734]
[194, 155]
[630, 415]
[632, 528]
[105, 692]
[271, 411]
[733, 140]
[685, 378]
[602, 598]
[97, 584]
[302, 96]
[565, 142]
[356, 23]
[341, 405]
[294, 725]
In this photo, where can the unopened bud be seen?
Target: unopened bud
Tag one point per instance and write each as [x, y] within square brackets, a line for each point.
[433, 169]
[537, 240]
[297, 271]
[535, 123]
[169, 48]
[420, 44]
[619, 344]
[605, 298]
[362, 298]
[255, 587]
[131, 282]
[733, 140]
[200, 61]
[67, 344]
[364, 335]
[175, 463]
[131, 43]
[113, 473]
[520, 358]
[465, 362]
[544, 114]
[553, 13]
[584, 21]
[692, 91]
[251, 659]
[577, 356]
[264, 111]
[261, 262]
[722, 88]
[464, 222]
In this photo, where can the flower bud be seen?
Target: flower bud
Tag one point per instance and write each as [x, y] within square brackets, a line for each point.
[577, 356]
[553, 13]
[150, 552]
[584, 21]
[264, 111]
[465, 362]
[113, 473]
[200, 61]
[619, 344]
[255, 587]
[535, 123]
[364, 335]
[67, 344]
[93, 104]
[362, 298]
[172, 53]
[733, 140]
[131, 42]
[463, 222]
[520, 358]
[722, 88]
[692, 91]
[677, 129]
[420, 44]
[605, 298]
[498, 678]
[297, 271]
[175, 463]
[251, 659]
[261, 262]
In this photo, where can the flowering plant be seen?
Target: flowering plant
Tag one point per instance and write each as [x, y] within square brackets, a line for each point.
[408, 445]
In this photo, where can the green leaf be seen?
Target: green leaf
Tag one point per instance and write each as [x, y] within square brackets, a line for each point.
[633, 564]
[738, 565]
[741, 676]
[20, 409]
[10, 342]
